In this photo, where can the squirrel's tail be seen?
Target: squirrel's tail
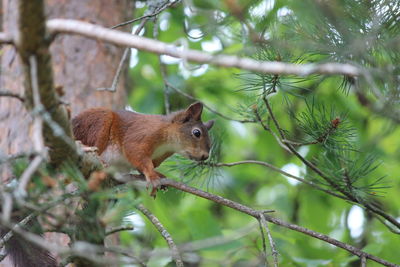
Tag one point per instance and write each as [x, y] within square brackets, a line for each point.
[26, 254]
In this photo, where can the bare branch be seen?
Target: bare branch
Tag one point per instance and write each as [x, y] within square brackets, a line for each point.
[11, 94]
[3, 254]
[6, 205]
[254, 213]
[161, 9]
[115, 80]
[274, 168]
[117, 75]
[125, 252]
[163, 71]
[169, 85]
[264, 243]
[154, 46]
[218, 240]
[6, 38]
[264, 224]
[120, 229]
[9, 234]
[363, 261]
[8, 158]
[38, 142]
[27, 175]
[154, 220]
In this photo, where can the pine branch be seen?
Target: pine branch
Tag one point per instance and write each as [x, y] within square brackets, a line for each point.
[323, 175]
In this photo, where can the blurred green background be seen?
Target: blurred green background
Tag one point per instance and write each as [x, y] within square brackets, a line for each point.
[297, 32]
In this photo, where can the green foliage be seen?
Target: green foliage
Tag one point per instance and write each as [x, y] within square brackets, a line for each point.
[325, 126]
[346, 127]
[339, 124]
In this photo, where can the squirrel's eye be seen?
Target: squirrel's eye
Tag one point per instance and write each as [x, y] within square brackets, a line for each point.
[196, 132]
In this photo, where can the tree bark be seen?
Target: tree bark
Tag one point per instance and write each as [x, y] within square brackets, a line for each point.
[80, 65]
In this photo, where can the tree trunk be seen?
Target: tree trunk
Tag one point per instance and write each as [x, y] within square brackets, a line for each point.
[80, 65]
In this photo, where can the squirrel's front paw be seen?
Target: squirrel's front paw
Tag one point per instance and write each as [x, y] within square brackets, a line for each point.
[163, 187]
[154, 184]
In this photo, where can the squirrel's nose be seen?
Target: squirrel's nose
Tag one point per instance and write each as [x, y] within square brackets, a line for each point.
[204, 156]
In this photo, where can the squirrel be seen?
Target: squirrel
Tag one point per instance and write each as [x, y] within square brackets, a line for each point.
[144, 140]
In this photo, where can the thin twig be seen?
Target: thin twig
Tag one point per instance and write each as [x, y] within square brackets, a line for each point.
[254, 213]
[268, 129]
[161, 9]
[259, 119]
[363, 261]
[144, 19]
[264, 243]
[274, 251]
[4, 239]
[154, 220]
[163, 71]
[120, 229]
[274, 168]
[11, 94]
[218, 240]
[389, 226]
[117, 75]
[154, 46]
[205, 105]
[164, 75]
[38, 142]
[7, 204]
[299, 144]
[3, 255]
[8, 158]
[27, 175]
[6, 38]
[125, 252]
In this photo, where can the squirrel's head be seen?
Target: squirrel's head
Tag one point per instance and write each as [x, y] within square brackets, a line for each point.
[192, 135]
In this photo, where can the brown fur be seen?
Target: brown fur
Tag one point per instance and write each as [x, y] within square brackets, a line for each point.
[145, 140]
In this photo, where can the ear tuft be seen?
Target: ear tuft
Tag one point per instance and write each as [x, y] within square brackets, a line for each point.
[209, 124]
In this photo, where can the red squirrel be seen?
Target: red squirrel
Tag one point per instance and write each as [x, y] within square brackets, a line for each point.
[144, 140]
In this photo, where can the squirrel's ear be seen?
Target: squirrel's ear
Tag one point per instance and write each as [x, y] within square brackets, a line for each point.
[193, 112]
[209, 124]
